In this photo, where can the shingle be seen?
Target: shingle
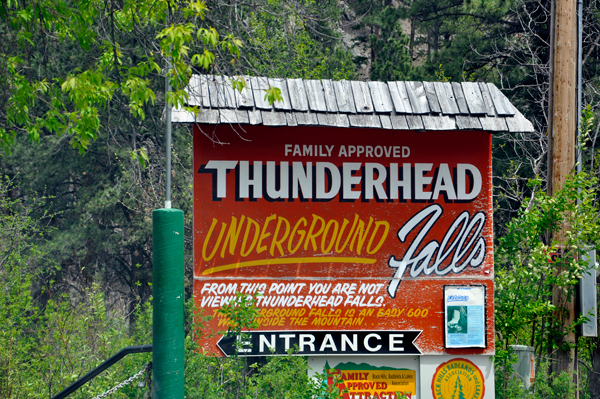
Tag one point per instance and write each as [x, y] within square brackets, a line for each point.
[432, 100]
[344, 97]
[362, 97]
[297, 93]
[417, 97]
[281, 84]
[382, 102]
[329, 93]
[474, 98]
[445, 97]
[259, 85]
[459, 96]
[364, 120]
[315, 95]
[400, 97]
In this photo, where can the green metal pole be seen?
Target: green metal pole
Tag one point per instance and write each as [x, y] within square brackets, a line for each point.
[167, 283]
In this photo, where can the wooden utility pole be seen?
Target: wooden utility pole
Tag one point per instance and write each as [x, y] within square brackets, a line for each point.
[562, 140]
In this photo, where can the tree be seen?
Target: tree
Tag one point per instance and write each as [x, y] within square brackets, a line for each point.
[527, 270]
[105, 96]
[458, 390]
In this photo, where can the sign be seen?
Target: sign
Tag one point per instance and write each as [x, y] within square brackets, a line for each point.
[465, 316]
[267, 343]
[458, 378]
[341, 229]
[357, 381]
[531, 369]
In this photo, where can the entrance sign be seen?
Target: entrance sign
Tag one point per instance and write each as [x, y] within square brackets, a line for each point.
[268, 343]
[464, 307]
[342, 231]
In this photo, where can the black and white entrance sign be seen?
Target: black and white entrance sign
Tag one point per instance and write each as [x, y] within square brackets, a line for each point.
[267, 343]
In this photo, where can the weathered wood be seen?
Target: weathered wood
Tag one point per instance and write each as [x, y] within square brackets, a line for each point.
[315, 95]
[445, 97]
[281, 84]
[399, 122]
[362, 97]
[233, 116]
[382, 102]
[255, 117]
[344, 97]
[242, 116]
[501, 103]
[274, 118]
[179, 115]
[229, 92]
[193, 91]
[227, 116]
[487, 99]
[386, 122]
[329, 93]
[400, 97]
[417, 97]
[396, 99]
[473, 98]
[245, 99]
[519, 124]
[432, 100]
[328, 102]
[460, 98]
[290, 117]
[221, 91]
[414, 122]
[204, 91]
[216, 100]
[207, 115]
[438, 122]
[306, 118]
[259, 85]
[297, 93]
[467, 122]
[562, 139]
[337, 120]
[364, 120]
[491, 124]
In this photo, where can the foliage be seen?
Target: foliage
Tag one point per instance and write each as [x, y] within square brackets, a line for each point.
[295, 54]
[389, 46]
[527, 271]
[121, 47]
[239, 377]
[48, 343]
[547, 385]
[101, 202]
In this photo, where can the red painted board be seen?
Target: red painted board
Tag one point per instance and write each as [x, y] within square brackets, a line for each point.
[390, 216]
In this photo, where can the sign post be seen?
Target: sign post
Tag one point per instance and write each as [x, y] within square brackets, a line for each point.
[168, 295]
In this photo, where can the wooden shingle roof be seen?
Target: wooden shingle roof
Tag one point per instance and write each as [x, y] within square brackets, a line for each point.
[391, 105]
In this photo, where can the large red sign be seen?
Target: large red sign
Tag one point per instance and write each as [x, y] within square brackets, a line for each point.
[342, 230]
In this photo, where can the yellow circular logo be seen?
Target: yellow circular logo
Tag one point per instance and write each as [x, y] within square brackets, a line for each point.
[458, 379]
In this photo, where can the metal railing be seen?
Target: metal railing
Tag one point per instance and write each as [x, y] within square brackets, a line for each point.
[106, 364]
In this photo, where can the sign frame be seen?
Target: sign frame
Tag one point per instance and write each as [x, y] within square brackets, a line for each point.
[360, 264]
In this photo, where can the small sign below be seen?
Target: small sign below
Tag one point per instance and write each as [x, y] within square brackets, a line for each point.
[268, 343]
[458, 378]
[465, 316]
[363, 380]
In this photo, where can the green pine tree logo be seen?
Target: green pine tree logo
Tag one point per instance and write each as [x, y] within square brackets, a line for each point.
[458, 390]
